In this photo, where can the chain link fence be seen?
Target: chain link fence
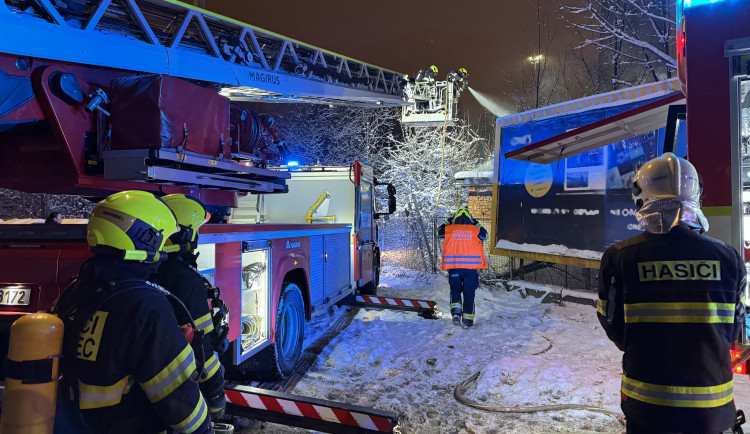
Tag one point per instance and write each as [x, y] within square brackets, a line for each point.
[411, 242]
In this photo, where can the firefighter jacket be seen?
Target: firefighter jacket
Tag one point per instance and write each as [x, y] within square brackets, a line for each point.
[674, 303]
[133, 369]
[181, 279]
[462, 243]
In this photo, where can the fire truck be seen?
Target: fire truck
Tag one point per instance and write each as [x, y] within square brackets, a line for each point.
[713, 52]
[104, 96]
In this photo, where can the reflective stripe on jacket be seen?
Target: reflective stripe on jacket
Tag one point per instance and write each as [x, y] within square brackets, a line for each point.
[673, 303]
[185, 282]
[677, 396]
[134, 370]
[462, 248]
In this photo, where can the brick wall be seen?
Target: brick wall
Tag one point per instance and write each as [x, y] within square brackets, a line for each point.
[480, 202]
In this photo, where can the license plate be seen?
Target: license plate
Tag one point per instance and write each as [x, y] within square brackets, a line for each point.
[15, 296]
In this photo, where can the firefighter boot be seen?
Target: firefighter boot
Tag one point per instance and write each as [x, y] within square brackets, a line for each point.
[456, 316]
[738, 421]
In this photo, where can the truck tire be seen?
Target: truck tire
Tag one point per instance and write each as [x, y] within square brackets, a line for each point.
[371, 288]
[278, 361]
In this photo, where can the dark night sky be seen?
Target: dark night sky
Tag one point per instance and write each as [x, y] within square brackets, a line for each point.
[484, 36]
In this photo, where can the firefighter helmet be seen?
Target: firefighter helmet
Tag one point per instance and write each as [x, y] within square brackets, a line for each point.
[190, 214]
[463, 72]
[434, 69]
[666, 177]
[132, 225]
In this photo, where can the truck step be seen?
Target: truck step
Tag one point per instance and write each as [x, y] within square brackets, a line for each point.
[310, 413]
[425, 308]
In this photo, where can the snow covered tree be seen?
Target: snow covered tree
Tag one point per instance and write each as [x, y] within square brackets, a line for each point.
[423, 162]
[338, 135]
[411, 158]
[635, 38]
[17, 204]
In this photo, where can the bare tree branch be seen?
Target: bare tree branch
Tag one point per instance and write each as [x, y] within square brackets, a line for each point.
[639, 33]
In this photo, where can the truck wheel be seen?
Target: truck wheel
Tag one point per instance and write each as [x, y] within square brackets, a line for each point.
[371, 288]
[277, 362]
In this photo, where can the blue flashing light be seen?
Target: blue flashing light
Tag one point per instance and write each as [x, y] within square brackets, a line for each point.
[683, 5]
[293, 164]
[693, 3]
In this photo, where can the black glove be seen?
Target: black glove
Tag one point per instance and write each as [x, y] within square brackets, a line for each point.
[220, 320]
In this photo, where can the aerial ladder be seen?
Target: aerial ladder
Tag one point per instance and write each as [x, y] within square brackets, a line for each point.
[73, 51]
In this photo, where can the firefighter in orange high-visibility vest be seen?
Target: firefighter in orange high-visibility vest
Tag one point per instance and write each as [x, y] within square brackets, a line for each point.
[463, 255]
[672, 299]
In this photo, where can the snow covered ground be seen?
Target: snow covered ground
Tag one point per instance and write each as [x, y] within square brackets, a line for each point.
[529, 354]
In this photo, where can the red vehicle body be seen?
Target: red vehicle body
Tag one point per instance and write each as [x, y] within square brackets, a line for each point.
[105, 105]
[713, 40]
[325, 261]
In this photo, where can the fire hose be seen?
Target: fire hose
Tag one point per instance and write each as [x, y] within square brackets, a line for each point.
[458, 394]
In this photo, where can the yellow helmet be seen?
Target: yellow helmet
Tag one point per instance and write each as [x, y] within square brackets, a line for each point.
[434, 69]
[463, 71]
[132, 225]
[190, 214]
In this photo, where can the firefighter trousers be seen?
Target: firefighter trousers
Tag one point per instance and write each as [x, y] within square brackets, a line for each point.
[463, 282]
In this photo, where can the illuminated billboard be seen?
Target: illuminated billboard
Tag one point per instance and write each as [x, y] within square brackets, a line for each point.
[571, 210]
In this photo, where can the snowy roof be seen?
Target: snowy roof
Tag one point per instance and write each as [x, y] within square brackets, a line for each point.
[603, 100]
[474, 178]
[479, 176]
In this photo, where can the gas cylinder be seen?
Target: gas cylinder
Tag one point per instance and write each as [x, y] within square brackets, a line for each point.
[31, 373]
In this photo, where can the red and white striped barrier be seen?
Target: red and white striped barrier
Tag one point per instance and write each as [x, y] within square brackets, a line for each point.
[405, 302]
[423, 306]
[317, 414]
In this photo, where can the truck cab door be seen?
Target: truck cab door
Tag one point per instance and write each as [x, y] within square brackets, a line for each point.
[365, 231]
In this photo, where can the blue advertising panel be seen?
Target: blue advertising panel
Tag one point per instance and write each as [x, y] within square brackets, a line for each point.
[575, 207]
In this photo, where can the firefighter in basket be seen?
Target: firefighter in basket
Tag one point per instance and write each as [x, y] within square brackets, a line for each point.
[463, 255]
[460, 80]
[671, 299]
[179, 275]
[427, 76]
[127, 368]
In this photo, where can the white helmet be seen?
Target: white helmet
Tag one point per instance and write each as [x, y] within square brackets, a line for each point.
[665, 177]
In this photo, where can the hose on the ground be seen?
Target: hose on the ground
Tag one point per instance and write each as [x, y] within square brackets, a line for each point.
[458, 394]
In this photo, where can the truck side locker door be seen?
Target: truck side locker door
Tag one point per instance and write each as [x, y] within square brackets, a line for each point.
[317, 265]
[337, 263]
